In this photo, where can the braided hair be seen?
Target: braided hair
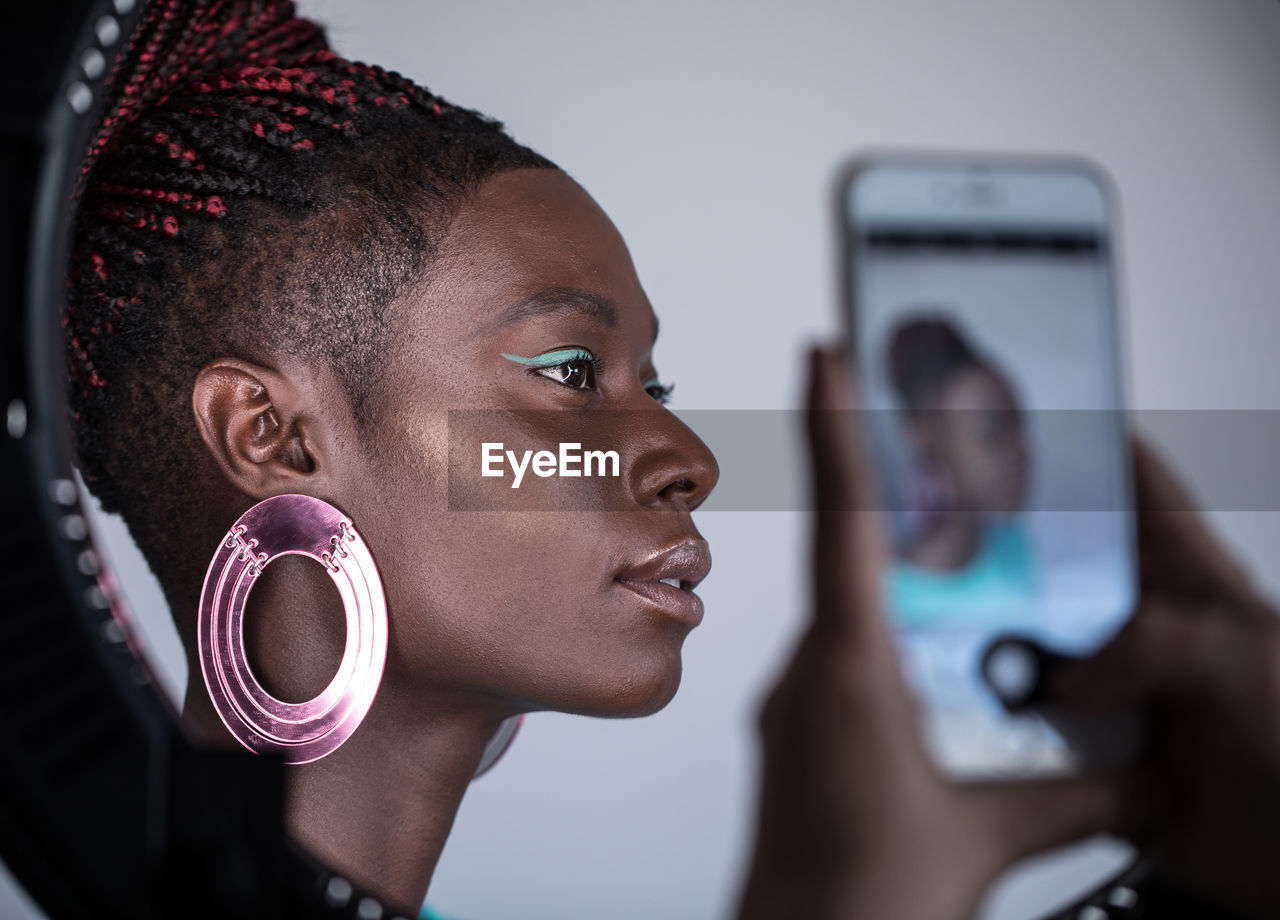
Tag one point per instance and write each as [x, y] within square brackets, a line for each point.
[249, 193]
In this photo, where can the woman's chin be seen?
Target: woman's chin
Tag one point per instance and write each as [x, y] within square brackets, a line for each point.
[637, 704]
[633, 696]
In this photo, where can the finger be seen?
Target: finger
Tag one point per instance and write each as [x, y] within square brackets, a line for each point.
[1177, 550]
[1157, 488]
[843, 478]
[1026, 817]
[1167, 649]
[847, 548]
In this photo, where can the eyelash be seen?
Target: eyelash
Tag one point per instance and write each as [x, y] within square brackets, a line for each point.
[660, 392]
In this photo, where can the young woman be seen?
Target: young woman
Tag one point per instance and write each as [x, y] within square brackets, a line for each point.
[289, 269]
[295, 274]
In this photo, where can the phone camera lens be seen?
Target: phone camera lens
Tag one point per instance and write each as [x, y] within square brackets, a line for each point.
[1012, 670]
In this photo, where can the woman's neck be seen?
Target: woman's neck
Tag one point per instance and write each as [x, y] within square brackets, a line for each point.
[380, 808]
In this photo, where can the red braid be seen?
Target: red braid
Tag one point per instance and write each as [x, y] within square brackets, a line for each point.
[177, 40]
[250, 63]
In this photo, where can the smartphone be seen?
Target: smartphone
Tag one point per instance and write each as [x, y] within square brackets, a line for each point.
[980, 301]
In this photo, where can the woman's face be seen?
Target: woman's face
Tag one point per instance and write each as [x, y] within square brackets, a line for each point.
[980, 442]
[549, 595]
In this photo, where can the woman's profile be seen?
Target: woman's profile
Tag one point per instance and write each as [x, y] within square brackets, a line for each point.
[288, 268]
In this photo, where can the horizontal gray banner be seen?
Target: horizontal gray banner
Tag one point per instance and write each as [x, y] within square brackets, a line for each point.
[929, 462]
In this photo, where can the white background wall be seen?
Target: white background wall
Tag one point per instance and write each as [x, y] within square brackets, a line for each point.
[710, 130]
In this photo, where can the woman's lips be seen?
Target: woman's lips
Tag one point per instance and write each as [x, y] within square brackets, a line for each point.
[667, 579]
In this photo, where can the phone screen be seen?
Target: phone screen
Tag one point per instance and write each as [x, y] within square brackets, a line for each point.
[985, 342]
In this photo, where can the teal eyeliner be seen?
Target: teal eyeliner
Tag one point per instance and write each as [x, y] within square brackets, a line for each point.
[552, 358]
[561, 356]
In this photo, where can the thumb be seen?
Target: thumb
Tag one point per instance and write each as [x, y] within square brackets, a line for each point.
[847, 542]
[1178, 550]
[1167, 648]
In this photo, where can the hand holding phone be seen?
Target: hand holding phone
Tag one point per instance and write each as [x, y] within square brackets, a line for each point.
[1202, 652]
[854, 818]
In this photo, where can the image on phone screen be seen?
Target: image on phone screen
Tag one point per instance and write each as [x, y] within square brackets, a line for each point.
[984, 330]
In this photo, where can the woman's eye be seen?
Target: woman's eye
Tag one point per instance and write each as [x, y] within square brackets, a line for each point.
[579, 374]
[575, 368]
[659, 391]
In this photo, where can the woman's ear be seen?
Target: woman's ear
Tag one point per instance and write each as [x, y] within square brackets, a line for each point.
[256, 424]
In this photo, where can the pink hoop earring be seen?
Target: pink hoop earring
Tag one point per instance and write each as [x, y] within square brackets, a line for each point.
[276, 526]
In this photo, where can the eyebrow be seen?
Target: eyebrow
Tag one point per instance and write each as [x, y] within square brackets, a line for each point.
[564, 301]
[559, 302]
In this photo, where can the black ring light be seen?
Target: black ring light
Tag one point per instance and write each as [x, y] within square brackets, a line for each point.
[106, 809]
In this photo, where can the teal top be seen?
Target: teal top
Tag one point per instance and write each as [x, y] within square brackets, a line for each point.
[1000, 581]
[428, 914]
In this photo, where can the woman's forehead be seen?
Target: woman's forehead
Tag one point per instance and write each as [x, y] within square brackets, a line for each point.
[532, 238]
[538, 218]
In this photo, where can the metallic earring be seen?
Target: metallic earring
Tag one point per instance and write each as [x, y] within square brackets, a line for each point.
[301, 732]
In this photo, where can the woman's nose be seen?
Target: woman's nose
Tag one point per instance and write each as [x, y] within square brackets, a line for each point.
[673, 467]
